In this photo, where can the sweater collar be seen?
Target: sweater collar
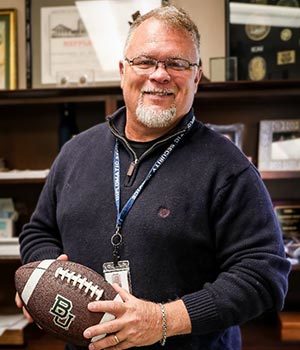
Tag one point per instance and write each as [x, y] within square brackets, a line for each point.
[117, 123]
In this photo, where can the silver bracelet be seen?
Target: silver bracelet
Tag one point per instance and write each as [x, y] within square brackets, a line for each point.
[164, 324]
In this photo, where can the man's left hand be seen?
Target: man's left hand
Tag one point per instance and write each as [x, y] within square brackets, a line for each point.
[137, 323]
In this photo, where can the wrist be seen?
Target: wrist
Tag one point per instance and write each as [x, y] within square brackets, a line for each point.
[164, 324]
[178, 320]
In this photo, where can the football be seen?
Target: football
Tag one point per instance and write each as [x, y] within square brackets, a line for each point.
[56, 294]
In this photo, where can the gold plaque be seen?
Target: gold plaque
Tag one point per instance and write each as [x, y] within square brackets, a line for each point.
[286, 34]
[257, 68]
[257, 32]
[286, 57]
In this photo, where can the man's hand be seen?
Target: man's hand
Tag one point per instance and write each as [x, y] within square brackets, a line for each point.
[137, 322]
[20, 305]
[19, 302]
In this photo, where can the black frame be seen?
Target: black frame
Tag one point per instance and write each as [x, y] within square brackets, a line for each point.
[263, 53]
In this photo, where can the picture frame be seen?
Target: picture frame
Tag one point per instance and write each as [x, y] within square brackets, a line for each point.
[8, 47]
[234, 132]
[287, 212]
[263, 35]
[279, 145]
[288, 216]
[20, 6]
[71, 43]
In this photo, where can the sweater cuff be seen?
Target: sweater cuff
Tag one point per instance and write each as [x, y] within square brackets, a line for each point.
[42, 254]
[202, 311]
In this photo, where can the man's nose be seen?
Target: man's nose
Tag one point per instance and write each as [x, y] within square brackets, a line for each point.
[160, 74]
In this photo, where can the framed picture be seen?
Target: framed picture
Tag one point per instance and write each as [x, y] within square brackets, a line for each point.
[8, 58]
[77, 43]
[279, 145]
[263, 35]
[234, 132]
[288, 215]
[20, 7]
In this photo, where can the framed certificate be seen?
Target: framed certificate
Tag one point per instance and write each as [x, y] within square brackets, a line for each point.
[264, 36]
[80, 42]
[8, 57]
[288, 216]
[234, 132]
[279, 145]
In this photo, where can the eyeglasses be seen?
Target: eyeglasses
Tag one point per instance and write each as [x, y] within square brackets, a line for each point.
[148, 65]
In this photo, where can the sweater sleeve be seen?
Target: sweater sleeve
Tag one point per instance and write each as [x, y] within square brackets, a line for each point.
[252, 268]
[40, 238]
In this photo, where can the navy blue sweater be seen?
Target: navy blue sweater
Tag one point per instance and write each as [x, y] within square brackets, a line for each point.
[203, 229]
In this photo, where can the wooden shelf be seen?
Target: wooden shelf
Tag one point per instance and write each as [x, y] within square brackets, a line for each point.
[271, 175]
[9, 248]
[296, 267]
[59, 95]
[290, 326]
[24, 176]
[250, 91]
[21, 181]
[257, 91]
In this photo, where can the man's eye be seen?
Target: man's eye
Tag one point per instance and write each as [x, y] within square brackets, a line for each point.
[177, 64]
[144, 63]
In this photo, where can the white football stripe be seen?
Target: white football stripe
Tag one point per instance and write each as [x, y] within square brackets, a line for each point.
[34, 279]
[106, 317]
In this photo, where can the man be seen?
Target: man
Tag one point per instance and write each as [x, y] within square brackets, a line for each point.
[157, 198]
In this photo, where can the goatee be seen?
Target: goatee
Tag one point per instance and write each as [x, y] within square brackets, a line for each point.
[154, 118]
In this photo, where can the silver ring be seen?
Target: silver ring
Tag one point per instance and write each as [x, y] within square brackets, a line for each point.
[116, 339]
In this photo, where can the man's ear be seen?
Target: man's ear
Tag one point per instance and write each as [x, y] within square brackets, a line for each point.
[197, 78]
[121, 71]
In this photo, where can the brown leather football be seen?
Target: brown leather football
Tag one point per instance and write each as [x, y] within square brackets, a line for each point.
[56, 294]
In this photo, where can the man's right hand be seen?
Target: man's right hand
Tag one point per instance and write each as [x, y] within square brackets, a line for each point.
[19, 302]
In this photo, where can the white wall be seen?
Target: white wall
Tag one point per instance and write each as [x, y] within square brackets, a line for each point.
[209, 15]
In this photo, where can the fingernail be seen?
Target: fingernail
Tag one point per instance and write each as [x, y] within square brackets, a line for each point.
[91, 306]
[87, 334]
[91, 347]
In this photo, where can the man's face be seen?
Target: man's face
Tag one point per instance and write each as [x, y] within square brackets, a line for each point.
[161, 92]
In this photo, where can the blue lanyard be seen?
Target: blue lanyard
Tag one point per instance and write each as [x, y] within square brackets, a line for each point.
[116, 239]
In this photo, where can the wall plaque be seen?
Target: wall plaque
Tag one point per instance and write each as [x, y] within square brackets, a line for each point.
[265, 38]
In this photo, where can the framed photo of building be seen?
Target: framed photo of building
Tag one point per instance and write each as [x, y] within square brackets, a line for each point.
[234, 132]
[279, 145]
[8, 57]
[77, 43]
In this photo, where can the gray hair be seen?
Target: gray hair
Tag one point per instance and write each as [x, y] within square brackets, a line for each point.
[172, 16]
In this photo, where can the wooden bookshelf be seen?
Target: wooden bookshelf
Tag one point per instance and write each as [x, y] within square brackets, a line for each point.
[29, 126]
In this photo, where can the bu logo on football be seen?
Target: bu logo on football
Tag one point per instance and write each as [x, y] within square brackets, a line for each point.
[61, 309]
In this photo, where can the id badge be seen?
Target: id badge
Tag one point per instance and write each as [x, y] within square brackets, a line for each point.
[119, 274]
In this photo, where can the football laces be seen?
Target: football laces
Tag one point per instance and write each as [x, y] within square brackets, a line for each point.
[77, 280]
